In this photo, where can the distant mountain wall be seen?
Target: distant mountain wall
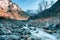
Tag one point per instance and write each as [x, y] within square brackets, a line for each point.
[51, 12]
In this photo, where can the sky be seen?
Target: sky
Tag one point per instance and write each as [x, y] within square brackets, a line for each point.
[28, 4]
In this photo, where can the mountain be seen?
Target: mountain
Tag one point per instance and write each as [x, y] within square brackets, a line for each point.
[51, 12]
[10, 10]
[31, 12]
[50, 16]
[43, 27]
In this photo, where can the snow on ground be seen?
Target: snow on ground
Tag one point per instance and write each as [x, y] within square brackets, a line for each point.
[39, 33]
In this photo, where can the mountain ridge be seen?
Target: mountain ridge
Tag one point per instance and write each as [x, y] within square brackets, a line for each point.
[51, 12]
[10, 10]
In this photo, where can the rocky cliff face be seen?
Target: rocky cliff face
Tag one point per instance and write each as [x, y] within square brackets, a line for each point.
[53, 11]
[10, 10]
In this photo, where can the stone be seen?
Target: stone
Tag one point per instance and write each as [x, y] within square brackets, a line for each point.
[10, 37]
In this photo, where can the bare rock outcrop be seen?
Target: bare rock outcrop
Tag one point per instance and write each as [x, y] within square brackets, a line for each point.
[10, 10]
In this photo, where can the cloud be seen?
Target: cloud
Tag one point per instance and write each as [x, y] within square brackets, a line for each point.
[29, 4]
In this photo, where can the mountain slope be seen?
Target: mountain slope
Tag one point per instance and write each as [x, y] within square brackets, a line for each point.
[10, 10]
[51, 12]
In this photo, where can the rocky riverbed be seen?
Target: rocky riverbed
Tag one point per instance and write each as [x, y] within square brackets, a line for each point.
[20, 30]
